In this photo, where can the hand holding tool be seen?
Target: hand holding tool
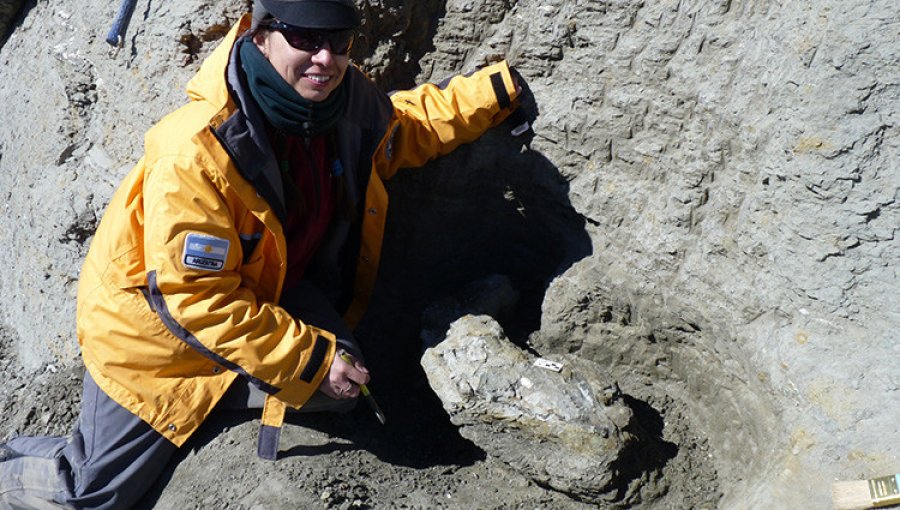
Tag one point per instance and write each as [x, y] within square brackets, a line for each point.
[365, 392]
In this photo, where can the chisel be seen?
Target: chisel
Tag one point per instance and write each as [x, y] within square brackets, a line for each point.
[365, 391]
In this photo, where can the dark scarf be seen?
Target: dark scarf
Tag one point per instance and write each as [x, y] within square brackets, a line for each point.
[284, 107]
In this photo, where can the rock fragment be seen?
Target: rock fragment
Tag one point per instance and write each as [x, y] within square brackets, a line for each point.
[566, 430]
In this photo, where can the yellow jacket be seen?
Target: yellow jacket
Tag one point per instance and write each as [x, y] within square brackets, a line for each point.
[178, 294]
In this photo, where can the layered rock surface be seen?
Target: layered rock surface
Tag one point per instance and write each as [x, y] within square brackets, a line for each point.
[566, 429]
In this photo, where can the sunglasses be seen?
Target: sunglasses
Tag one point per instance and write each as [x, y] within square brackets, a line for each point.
[311, 39]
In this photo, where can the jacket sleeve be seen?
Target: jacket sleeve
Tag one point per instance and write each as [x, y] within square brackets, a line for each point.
[192, 253]
[432, 120]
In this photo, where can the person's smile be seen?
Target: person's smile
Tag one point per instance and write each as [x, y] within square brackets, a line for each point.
[313, 74]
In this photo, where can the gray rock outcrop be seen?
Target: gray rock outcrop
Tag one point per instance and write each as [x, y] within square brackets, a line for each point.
[707, 207]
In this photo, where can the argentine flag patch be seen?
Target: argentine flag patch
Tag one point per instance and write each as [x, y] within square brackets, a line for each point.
[205, 252]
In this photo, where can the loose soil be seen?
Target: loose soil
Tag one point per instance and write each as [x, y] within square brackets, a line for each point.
[417, 460]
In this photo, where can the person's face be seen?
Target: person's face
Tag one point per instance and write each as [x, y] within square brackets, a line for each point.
[314, 74]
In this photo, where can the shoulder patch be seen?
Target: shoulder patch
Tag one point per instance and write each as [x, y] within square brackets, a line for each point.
[205, 252]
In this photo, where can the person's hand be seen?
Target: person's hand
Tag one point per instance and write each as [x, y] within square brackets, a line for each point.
[517, 80]
[344, 378]
[524, 111]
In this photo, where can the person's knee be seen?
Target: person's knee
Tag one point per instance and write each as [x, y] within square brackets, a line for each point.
[31, 482]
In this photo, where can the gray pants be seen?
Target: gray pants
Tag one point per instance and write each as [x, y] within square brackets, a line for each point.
[113, 457]
[109, 461]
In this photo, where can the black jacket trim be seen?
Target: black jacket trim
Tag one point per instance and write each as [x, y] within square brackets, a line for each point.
[500, 90]
[320, 350]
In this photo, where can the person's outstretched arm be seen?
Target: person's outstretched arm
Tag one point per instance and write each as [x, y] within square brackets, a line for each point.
[431, 120]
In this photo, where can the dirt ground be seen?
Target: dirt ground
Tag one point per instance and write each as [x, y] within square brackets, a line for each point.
[417, 460]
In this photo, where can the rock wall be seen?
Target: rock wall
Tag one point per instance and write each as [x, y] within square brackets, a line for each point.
[708, 204]
[735, 167]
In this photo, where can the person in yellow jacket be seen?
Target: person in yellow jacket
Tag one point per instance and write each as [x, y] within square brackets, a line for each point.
[237, 256]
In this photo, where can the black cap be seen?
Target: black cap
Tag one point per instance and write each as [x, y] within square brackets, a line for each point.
[325, 14]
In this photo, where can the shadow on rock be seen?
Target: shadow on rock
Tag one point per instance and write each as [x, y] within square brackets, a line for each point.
[12, 12]
[641, 464]
[492, 211]
[493, 207]
[417, 433]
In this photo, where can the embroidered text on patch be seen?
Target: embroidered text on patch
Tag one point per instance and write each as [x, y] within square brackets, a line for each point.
[205, 252]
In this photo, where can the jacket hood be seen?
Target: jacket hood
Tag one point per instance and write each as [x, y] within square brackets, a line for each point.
[209, 82]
